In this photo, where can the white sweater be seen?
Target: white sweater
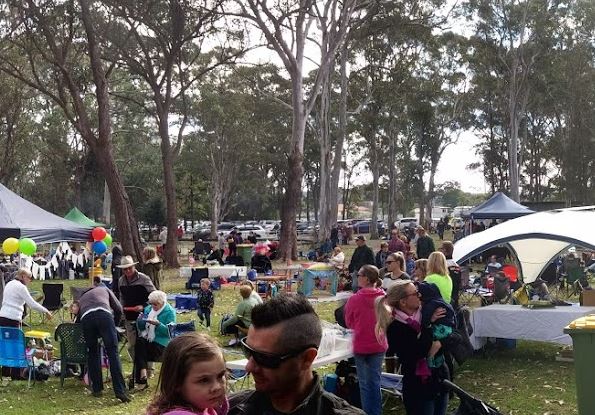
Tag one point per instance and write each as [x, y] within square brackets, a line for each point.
[15, 297]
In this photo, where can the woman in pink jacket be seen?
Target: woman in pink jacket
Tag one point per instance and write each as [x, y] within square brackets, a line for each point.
[367, 348]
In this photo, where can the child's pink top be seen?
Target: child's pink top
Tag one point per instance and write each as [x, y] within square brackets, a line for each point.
[222, 410]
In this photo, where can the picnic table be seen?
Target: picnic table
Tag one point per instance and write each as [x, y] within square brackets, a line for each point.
[517, 322]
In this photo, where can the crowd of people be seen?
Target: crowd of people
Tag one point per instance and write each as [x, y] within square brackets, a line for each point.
[401, 313]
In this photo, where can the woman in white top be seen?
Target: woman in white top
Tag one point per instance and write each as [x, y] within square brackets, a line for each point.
[394, 266]
[338, 258]
[16, 295]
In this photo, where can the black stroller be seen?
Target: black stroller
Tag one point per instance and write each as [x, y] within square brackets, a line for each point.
[469, 405]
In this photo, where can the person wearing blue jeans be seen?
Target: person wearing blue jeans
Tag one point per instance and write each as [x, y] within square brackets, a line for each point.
[369, 367]
[368, 348]
[96, 308]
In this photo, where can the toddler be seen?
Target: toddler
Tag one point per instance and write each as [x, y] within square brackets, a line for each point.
[206, 301]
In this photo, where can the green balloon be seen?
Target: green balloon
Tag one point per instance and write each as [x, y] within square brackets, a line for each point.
[108, 239]
[27, 246]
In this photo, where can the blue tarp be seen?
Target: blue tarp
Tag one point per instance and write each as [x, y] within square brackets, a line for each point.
[499, 206]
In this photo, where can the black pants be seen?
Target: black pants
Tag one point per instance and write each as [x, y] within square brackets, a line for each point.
[96, 325]
[145, 352]
[205, 314]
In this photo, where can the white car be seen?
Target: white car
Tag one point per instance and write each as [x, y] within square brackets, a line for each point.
[403, 223]
[260, 232]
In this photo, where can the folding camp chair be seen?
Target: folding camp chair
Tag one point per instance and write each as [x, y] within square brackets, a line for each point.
[176, 329]
[12, 350]
[197, 274]
[391, 386]
[236, 379]
[53, 299]
[73, 349]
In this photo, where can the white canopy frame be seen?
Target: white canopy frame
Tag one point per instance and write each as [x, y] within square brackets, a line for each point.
[536, 239]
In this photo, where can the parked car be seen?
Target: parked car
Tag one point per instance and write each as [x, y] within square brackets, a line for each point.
[403, 223]
[260, 232]
[364, 227]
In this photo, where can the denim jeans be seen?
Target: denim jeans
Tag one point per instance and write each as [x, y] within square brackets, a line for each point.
[437, 406]
[369, 367]
[100, 324]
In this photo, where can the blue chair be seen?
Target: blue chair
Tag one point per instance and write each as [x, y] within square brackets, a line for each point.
[175, 329]
[12, 350]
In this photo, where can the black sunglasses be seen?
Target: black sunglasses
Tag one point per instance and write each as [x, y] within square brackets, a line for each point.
[270, 360]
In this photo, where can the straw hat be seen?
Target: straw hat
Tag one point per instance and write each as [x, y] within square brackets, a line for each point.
[126, 262]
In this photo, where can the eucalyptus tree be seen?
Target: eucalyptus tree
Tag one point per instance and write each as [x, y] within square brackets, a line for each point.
[240, 132]
[59, 54]
[17, 129]
[517, 31]
[287, 27]
[169, 47]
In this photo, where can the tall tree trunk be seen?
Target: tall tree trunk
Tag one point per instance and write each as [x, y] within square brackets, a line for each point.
[341, 136]
[295, 173]
[392, 181]
[325, 177]
[126, 223]
[375, 179]
[101, 142]
[168, 158]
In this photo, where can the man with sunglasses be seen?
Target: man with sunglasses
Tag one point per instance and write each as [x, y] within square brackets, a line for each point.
[281, 346]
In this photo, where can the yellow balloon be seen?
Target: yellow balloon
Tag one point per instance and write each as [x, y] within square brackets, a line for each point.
[10, 246]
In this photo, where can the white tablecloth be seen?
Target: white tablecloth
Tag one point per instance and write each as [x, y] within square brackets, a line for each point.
[227, 271]
[517, 322]
[343, 351]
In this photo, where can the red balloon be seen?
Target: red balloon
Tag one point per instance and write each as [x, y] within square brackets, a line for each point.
[98, 233]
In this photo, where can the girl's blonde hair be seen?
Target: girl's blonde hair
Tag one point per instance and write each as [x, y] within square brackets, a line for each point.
[422, 264]
[383, 306]
[149, 253]
[178, 357]
[398, 256]
[437, 264]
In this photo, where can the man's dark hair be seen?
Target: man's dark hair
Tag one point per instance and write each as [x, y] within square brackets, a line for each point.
[96, 280]
[302, 325]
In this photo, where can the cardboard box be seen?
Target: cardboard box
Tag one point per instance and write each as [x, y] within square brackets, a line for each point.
[587, 298]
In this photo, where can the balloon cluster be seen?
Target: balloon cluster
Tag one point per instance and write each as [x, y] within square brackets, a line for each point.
[27, 246]
[101, 239]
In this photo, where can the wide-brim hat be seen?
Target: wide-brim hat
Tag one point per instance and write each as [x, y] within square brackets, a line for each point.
[361, 238]
[126, 262]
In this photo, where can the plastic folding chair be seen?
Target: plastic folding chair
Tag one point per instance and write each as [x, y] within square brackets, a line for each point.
[73, 349]
[12, 350]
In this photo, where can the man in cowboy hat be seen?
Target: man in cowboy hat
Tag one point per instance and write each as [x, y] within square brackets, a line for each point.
[134, 291]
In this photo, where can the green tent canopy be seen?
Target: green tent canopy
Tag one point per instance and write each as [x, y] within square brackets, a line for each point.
[79, 217]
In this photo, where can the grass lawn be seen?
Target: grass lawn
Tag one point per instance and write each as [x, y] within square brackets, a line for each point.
[525, 380]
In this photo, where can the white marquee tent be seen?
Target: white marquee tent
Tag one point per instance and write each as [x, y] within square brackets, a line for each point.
[534, 239]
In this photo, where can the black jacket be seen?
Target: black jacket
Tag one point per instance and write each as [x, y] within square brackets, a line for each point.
[318, 402]
[363, 255]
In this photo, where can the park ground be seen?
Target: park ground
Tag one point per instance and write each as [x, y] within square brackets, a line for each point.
[526, 380]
